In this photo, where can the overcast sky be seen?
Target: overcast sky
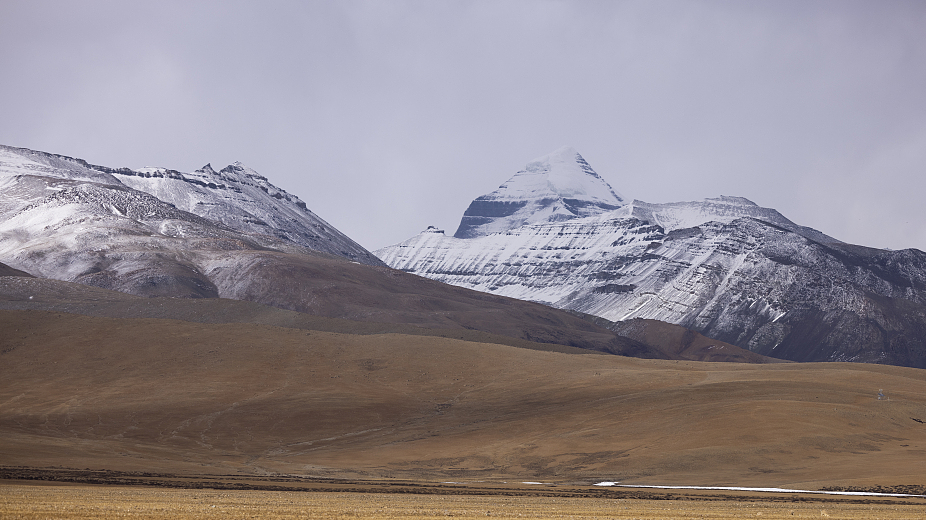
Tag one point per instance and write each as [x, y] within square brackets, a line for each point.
[389, 116]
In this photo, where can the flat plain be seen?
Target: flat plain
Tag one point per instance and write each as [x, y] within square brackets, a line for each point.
[28, 502]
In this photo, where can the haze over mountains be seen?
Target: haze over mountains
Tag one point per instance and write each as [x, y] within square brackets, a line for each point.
[557, 233]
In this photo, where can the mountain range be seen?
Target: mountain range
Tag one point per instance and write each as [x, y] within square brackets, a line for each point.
[231, 234]
[206, 323]
[556, 233]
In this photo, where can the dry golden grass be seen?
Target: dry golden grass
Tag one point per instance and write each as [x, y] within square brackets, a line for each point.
[40, 502]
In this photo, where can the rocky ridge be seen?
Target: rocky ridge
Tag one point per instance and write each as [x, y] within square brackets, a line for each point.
[236, 197]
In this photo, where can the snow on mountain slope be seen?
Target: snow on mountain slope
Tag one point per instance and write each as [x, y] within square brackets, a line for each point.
[110, 236]
[551, 262]
[555, 262]
[556, 187]
[66, 223]
[725, 267]
[16, 162]
[678, 215]
[236, 197]
[242, 199]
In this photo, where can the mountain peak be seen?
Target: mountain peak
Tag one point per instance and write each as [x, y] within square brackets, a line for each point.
[565, 154]
[564, 173]
[239, 168]
[558, 186]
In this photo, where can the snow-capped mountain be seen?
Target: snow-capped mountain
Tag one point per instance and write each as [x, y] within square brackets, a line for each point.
[556, 187]
[236, 197]
[65, 219]
[725, 267]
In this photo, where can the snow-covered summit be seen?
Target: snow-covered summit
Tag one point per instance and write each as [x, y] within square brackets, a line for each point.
[237, 197]
[555, 187]
[563, 173]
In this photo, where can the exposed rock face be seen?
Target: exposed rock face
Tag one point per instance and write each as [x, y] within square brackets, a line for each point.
[556, 187]
[725, 267]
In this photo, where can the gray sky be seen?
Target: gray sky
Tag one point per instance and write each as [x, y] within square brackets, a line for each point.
[389, 116]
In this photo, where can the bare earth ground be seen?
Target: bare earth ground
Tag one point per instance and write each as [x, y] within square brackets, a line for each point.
[18, 501]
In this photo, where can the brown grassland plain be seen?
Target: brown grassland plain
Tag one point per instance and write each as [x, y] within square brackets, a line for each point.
[178, 397]
[33, 502]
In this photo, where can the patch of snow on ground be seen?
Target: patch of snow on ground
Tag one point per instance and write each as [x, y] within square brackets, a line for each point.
[767, 490]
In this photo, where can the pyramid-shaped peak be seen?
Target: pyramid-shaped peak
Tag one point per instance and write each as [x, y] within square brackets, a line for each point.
[563, 173]
[564, 159]
[558, 186]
